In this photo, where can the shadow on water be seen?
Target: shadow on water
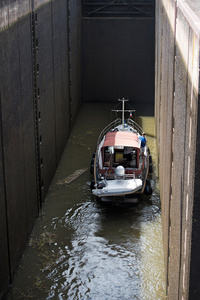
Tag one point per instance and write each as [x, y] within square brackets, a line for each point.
[81, 249]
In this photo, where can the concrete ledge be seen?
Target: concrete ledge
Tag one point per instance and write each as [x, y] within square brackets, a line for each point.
[13, 10]
[192, 17]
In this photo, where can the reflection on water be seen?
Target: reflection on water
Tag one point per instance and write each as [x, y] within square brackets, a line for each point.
[80, 249]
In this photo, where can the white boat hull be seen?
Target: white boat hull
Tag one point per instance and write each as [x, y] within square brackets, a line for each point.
[118, 188]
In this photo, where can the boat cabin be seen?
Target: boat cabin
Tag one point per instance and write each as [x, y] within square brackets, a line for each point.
[120, 148]
[120, 155]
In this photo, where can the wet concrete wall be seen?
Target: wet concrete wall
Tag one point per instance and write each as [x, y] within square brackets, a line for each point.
[4, 255]
[39, 98]
[18, 183]
[118, 59]
[177, 120]
[75, 11]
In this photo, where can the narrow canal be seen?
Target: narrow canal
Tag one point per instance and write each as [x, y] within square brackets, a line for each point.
[80, 249]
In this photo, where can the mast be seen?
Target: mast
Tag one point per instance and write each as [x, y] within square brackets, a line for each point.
[122, 100]
[123, 110]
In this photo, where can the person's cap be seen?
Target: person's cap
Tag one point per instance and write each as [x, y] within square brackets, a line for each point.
[143, 133]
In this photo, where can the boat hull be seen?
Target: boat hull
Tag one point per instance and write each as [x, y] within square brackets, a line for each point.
[121, 164]
[118, 188]
[133, 199]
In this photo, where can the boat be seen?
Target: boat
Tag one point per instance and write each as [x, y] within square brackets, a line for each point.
[121, 162]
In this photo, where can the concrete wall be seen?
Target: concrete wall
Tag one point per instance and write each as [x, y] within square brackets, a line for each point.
[4, 255]
[18, 185]
[39, 99]
[52, 83]
[177, 117]
[118, 59]
[75, 10]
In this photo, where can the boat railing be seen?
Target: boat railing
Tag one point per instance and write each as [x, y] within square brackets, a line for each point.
[115, 123]
[110, 176]
[135, 126]
[107, 129]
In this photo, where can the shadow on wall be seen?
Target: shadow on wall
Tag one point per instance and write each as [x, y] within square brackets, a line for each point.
[37, 109]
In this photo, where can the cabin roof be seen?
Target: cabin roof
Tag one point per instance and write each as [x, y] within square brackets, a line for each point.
[121, 138]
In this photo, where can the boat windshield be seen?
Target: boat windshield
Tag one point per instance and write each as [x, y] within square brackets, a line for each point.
[125, 156]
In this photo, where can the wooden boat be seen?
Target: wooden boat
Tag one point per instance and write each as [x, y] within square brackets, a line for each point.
[120, 165]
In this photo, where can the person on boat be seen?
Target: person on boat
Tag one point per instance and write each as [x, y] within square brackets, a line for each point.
[143, 141]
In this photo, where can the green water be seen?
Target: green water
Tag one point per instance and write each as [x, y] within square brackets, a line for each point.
[80, 249]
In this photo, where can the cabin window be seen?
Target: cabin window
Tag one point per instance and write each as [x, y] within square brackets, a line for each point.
[108, 151]
[125, 156]
[133, 159]
[106, 159]
[119, 157]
